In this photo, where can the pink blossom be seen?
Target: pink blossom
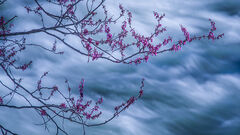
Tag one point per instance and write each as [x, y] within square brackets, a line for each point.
[81, 88]
[220, 35]
[140, 93]
[88, 116]
[146, 58]
[54, 89]
[96, 55]
[109, 36]
[2, 21]
[38, 8]
[211, 35]
[213, 25]
[85, 32]
[25, 66]
[70, 9]
[130, 101]
[186, 33]
[97, 42]
[129, 17]
[122, 10]
[107, 29]
[28, 9]
[43, 112]
[89, 40]
[100, 100]
[63, 105]
[88, 47]
[1, 100]
[96, 116]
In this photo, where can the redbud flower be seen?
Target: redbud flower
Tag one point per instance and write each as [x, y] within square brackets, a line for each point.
[63, 105]
[38, 8]
[122, 10]
[107, 29]
[70, 9]
[97, 42]
[89, 40]
[95, 55]
[146, 58]
[96, 116]
[28, 9]
[109, 36]
[186, 34]
[43, 112]
[88, 116]
[213, 25]
[140, 93]
[88, 47]
[55, 88]
[81, 88]
[85, 32]
[211, 35]
[25, 66]
[1, 100]
[2, 21]
[100, 100]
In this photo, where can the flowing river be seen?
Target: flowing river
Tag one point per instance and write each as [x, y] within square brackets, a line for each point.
[195, 91]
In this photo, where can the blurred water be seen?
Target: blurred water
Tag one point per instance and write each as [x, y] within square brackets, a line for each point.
[195, 91]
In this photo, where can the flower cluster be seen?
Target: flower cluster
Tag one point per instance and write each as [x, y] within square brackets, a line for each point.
[8, 56]
[130, 101]
[4, 28]
[189, 39]
[40, 81]
[145, 44]
[70, 9]
[24, 66]
[99, 41]
[77, 106]
[54, 89]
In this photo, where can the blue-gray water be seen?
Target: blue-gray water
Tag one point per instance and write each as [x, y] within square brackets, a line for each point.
[195, 91]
